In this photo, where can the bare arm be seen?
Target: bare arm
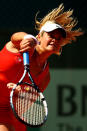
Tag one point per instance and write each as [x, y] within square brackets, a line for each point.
[19, 43]
[16, 38]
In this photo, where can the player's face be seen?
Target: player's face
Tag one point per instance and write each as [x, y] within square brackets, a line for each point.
[51, 41]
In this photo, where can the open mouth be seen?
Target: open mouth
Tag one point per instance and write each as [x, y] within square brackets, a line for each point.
[53, 45]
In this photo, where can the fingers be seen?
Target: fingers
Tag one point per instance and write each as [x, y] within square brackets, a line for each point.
[24, 49]
[27, 44]
[12, 85]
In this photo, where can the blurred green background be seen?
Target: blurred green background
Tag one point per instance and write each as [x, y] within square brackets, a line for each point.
[66, 94]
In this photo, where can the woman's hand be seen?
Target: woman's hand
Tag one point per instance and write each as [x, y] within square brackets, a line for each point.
[27, 45]
[12, 85]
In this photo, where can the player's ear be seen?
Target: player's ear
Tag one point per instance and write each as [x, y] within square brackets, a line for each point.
[38, 37]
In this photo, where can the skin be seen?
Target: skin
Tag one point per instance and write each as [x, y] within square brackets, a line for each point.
[50, 43]
[6, 127]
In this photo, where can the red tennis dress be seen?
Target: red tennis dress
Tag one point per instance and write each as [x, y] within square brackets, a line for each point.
[11, 70]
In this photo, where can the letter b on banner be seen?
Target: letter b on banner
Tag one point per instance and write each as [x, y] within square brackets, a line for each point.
[66, 102]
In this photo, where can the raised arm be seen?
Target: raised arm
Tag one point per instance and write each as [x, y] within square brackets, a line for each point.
[16, 38]
[21, 42]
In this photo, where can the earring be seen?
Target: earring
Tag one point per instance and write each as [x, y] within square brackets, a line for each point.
[60, 51]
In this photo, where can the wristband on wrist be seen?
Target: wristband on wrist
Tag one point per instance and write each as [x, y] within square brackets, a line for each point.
[31, 36]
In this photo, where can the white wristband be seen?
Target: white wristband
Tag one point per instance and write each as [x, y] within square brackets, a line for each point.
[31, 36]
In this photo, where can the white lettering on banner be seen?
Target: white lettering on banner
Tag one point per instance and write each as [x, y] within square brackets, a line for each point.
[67, 101]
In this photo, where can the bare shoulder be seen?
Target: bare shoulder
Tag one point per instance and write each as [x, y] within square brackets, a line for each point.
[10, 47]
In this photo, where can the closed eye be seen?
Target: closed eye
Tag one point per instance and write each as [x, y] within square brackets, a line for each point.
[53, 37]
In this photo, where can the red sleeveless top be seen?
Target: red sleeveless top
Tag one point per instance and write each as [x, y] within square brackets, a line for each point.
[11, 70]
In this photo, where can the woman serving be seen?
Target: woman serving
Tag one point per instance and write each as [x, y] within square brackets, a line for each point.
[55, 30]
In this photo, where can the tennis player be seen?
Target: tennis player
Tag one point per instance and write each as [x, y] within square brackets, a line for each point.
[54, 31]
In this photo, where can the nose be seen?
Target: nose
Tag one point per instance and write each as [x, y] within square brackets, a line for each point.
[54, 40]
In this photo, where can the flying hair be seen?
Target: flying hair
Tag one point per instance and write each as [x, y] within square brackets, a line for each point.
[63, 18]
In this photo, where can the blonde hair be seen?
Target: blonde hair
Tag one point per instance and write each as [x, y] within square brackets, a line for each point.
[65, 19]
